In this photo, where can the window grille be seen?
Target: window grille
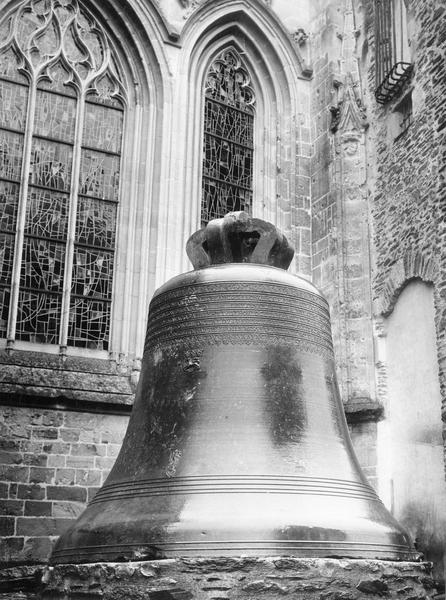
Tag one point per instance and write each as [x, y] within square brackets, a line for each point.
[61, 119]
[393, 68]
[228, 138]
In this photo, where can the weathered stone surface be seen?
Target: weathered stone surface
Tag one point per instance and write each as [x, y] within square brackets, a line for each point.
[20, 583]
[233, 578]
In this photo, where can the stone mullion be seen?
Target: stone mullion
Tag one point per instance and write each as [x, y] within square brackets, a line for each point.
[21, 214]
[69, 254]
[126, 303]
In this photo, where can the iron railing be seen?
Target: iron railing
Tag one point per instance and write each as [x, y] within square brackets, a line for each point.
[392, 67]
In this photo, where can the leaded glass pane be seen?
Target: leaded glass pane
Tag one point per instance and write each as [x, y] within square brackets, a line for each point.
[9, 200]
[73, 51]
[64, 43]
[8, 66]
[229, 82]
[228, 123]
[50, 164]
[13, 103]
[92, 40]
[55, 116]
[227, 162]
[96, 223]
[228, 138]
[38, 317]
[46, 214]
[89, 323]
[63, 15]
[27, 24]
[99, 175]
[219, 199]
[42, 265]
[57, 79]
[6, 257]
[45, 44]
[102, 128]
[92, 273]
[105, 92]
[11, 151]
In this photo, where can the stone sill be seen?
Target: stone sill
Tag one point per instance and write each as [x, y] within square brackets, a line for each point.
[36, 379]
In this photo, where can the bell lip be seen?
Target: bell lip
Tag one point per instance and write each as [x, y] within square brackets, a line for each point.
[247, 272]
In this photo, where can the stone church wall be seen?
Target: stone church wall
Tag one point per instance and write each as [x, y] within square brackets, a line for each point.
[51, 464]
[406, 171]
[64, 411]
[405, 178]
[375, 204]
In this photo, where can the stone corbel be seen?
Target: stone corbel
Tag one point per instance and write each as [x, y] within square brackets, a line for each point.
[300, 36]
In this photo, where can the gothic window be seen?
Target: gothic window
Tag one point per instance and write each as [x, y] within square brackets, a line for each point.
[61, 120]
[393, 67]
[228, 138]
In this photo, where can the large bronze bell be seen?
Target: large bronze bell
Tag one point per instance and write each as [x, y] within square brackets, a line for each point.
[237, 443]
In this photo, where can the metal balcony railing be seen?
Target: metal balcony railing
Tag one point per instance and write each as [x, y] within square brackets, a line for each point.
[393, 67]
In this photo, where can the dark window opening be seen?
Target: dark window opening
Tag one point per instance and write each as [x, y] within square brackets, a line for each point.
[393, 66]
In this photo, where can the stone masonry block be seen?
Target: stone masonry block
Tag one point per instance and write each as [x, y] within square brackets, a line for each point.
[35, 508]
[88, 450]
[7, 526]
[68, 510]
[90, 436]
[11, 507]
[65, 476]
[10, 458]
[31, 492]
[56, 448]
[113, 450]
[52, 418]
[10, 445]
[82, 421]
[41, 475]
[62, 492]
[69, 435]
[104, 462]
[31, 446]
[36, 460]
[41, 526]
[45, 433]
[37, 549]
[88, 477]
[80, 462]
[114, 437]
[56, 460]
[10, 548]
[14, 473]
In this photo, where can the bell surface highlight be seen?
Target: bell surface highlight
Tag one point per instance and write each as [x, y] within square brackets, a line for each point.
[237, 443]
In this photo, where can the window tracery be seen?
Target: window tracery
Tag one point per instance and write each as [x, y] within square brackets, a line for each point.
[61, 121]
[228, 138]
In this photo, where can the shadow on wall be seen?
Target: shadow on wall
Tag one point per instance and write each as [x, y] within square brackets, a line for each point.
[410, 462]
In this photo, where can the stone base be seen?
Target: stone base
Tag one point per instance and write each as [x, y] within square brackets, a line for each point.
[234, 578]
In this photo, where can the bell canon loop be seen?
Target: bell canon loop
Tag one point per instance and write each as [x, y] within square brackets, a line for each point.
[237, 443]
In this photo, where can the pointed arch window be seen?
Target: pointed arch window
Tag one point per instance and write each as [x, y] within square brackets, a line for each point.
[61, 118]
[228, 138]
